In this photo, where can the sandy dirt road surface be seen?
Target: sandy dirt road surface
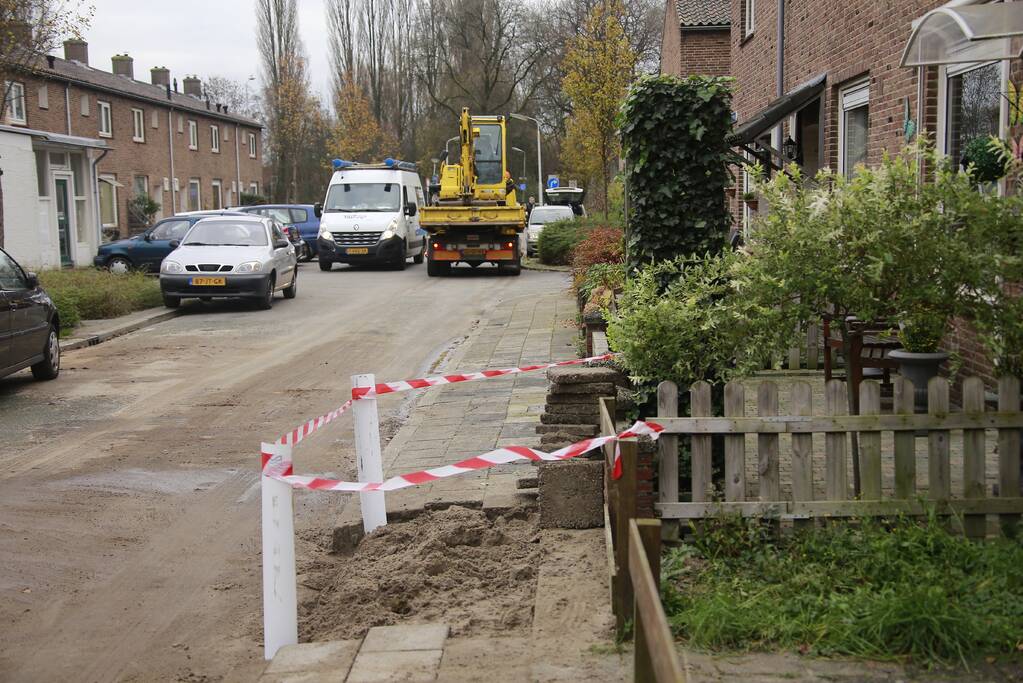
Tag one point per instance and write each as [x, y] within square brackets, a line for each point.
[129, 500]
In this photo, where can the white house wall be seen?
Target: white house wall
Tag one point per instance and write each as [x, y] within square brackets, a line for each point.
[27, 217]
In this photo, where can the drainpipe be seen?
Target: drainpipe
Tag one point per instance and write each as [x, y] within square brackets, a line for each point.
[778, 135]
[170, 150]
[237, 167]
[95, 195]
[67, 106]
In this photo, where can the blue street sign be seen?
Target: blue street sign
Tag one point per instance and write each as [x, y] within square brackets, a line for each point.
[553, 183]
[522, 187]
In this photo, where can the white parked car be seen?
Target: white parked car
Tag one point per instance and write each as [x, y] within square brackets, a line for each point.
[541, 215]
[231, 257]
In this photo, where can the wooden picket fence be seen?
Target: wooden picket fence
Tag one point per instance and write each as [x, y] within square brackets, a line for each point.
[634, 566]
[805, 354]
[801, 503]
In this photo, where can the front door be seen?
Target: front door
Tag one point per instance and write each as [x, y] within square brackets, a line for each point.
[62, 191]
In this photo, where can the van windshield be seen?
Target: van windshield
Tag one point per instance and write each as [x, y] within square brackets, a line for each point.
[363, 197]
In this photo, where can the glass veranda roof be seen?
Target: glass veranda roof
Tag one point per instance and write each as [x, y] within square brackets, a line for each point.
[971, 33]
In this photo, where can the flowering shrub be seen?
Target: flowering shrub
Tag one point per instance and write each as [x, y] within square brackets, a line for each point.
[602, 244]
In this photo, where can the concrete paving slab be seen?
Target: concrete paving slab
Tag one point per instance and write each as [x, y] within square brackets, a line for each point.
[419, 666]
[332, 660]
[405, 637]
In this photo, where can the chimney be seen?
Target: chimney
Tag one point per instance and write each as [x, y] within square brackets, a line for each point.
[123, 65]
[175, 85]
[193, 86]
[160, 75]
[76, 51]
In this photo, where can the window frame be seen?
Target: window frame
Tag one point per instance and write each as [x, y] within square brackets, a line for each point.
[749, 18]
[857, 89]
[215, 139]
[217, 190]
[12, 100]
[949, 71]
[198, 194]
[138, 125]
[111, 182]
[254, 188]
[193, 135]
[105, 113]
[252, 146]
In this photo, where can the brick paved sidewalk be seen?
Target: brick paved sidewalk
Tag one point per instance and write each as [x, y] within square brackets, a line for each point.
[453, 422]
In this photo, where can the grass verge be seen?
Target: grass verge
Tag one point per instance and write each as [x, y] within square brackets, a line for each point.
[90, 294]
[906, 591]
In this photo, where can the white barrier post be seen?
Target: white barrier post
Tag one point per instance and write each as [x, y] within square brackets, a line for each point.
[367, 455]
[280, 599]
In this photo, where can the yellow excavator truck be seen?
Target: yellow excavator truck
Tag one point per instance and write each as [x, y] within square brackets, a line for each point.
[476, 217]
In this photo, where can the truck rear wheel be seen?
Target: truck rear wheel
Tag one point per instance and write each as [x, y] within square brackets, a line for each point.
[435, 269]
[509, 269]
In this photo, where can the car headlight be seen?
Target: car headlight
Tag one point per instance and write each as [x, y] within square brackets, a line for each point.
[170, 267]
[391, 231]
[249, 267]
[325, 234]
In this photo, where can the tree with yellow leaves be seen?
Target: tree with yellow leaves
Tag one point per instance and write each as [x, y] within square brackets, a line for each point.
[358, 136]
[598, 69]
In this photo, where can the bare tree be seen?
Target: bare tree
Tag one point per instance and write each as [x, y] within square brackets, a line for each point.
[238, 96]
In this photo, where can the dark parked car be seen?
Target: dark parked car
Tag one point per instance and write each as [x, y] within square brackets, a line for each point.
[305, 217]
[147, 250]
[29, 327]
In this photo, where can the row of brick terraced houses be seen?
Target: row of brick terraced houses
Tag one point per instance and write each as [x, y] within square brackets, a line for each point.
[78, 143]
[820, 83]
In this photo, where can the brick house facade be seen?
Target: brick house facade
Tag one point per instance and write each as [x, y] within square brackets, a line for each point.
[187, 153]
[696, 38]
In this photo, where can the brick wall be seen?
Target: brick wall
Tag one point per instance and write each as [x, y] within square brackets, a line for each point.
[151, 158]
[671, 42]
[706, 52]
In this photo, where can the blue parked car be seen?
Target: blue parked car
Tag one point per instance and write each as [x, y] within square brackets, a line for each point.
[147, 250]
[305, 217]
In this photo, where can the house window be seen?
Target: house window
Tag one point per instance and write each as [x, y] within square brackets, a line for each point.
[193, 135]
[108, 201]
[154, 119]
[215, 139]
[853, 126]
[181, 124]
[218, 197]
[972, 107]
[141, 184]
[44, 97]
[16, 103]
[138, 125]
[193, 195]
[748, 17]
[254, 188]
[252, 145]
[106, 127]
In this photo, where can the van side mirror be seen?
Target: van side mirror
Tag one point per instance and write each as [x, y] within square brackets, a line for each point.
[410, 209]
[318, 210]
[174, 244]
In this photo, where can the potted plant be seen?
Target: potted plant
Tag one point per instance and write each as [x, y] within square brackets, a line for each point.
[920, 333]
[751, 200]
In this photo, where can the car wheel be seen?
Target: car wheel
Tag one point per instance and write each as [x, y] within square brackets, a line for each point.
[402, 260]
[49, 366]
[325, 265]
[291, 290]
[266, 302]
[510, 269]
[119, 265]
[418, 258]
[171, 301]
[434, 269]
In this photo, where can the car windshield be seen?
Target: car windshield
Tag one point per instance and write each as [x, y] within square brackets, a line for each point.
[363, 197]
[549, 214]
[226, 233]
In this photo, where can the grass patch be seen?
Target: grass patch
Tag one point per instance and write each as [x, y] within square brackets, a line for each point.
[90, 294]
[906, 591]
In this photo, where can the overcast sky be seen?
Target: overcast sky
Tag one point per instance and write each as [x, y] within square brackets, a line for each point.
[204, 37]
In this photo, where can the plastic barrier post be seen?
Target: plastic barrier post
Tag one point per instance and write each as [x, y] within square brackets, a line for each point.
[367, 455]
[280, 601]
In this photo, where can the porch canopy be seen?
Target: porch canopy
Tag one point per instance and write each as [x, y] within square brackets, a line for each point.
[745, 136]
[968, 33]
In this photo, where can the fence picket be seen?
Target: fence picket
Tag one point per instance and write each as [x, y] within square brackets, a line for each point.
[974, 526]
[870, 443]
[802, 444]
[938, 468]
[768, 472]
[836, 478]
[1008, 451]
[735, 444]
[701, 407]
[812, 347]
[905, 446]
[667, 406]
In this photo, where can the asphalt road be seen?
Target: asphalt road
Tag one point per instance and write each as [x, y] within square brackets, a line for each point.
[129, 502]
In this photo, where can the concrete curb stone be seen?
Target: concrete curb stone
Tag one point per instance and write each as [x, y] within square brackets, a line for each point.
[159, 315]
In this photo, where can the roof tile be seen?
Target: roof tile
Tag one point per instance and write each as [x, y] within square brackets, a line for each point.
[704, 12]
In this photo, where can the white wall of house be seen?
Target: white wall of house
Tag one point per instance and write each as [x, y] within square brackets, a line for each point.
[26, 216]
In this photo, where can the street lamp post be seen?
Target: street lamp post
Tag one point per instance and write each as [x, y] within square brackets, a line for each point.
[523, 153]
[539, 164]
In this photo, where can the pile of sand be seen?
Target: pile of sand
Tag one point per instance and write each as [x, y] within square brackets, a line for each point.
[453, 566]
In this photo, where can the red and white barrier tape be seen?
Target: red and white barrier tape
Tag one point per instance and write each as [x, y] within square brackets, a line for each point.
[303, 431]
[277, 463]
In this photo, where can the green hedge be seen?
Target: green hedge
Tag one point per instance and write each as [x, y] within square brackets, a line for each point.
[557, 240]
[89, 294]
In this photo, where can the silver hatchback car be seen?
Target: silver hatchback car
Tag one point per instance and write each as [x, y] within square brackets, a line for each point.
[231, 257]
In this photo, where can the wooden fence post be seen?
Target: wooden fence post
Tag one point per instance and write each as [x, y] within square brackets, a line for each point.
[650, 534]
[655, 656]
[870, 443]
[939, 480]
[802, 448]
[735, 444]
[667, 476]
[767, 445]
[974, 526]
[836, 482]
[1008, 451]
[701, 460]
[905, 447]
[626, 511]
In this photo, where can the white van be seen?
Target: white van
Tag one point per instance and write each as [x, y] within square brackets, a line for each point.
[371, 215]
